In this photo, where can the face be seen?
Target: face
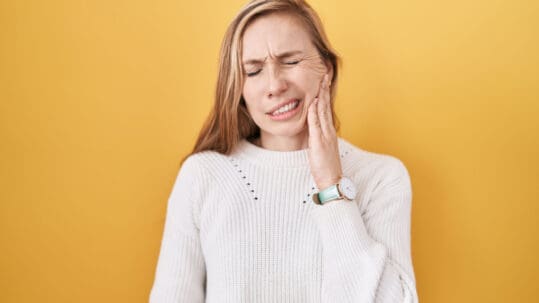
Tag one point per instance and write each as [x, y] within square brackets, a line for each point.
[283, 71]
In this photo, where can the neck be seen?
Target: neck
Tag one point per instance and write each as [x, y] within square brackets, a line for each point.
[283, 143]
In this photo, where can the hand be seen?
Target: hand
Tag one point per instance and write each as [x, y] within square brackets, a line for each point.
[323, 153]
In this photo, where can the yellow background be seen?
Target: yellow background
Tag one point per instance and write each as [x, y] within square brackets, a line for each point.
[99, 100]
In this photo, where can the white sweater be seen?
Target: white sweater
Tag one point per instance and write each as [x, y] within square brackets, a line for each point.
[243, 228]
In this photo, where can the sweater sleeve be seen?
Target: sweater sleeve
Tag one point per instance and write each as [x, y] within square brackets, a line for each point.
[180, 273]
[367, 255]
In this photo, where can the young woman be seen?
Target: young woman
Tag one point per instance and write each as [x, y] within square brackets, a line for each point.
[271, 205]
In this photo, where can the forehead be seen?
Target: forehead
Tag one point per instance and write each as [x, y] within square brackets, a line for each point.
[274, 34]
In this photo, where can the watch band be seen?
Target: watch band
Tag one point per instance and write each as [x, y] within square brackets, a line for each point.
[344, 189]
[329, 194]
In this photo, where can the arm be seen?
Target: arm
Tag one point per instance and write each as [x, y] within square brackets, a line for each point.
[367, 256]
[180, 273]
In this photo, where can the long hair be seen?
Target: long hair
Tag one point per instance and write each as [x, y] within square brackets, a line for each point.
[229, 121]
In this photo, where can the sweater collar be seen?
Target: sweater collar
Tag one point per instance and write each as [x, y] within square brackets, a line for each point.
[278, 159]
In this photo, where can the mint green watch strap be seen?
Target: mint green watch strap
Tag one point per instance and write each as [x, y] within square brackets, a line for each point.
[329, 194]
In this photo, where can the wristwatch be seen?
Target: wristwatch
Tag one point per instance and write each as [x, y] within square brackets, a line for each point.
[344, 189]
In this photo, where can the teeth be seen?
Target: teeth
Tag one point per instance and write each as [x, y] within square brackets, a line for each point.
[286, 108]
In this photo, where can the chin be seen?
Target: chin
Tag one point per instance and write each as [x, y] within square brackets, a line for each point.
[287, 129]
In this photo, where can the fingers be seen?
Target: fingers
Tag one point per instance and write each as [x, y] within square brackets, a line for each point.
[324, 109]
[319, 117]
[313, 120]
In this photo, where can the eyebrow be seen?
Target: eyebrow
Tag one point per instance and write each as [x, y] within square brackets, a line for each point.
[280, 56]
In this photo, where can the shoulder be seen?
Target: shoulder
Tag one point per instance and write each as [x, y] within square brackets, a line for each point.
[384, 169]
[190, 189]
[203, 163]
[204, 167]
[194, 172]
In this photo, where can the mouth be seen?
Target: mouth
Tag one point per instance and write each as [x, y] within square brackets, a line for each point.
[287, 111]
[285, 108]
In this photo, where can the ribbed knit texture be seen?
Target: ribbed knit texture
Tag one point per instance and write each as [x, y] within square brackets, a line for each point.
[242, 228]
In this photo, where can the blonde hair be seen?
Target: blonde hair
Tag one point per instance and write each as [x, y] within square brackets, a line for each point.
[229, 121]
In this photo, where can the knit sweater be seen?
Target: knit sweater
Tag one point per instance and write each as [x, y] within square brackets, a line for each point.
[243, 228]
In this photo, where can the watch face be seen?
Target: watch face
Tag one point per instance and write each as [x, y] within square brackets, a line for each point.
[347, 188]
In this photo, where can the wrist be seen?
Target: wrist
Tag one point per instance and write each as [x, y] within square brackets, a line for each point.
[344, 188]
[328, 182]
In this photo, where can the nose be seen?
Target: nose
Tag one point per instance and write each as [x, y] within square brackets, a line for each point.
[276, 81]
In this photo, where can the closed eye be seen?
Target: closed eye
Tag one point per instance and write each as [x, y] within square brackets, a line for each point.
[258, 71]
[292, 62]
[253, 73]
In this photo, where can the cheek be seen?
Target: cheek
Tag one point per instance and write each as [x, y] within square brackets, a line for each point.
[246, 92]
[248, 96]
[253, 89]
[310, 85]
[311, 76]
[252, 109]
[314, 66]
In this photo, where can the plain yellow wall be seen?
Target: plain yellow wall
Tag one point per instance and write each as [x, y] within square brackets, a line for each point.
[99, 100]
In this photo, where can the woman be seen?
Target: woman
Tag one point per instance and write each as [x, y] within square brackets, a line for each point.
[273, 206]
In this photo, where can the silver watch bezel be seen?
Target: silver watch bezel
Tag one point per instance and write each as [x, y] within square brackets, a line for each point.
[347, 188]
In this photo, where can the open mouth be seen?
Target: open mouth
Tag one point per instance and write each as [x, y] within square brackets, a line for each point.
[286, 108]
[287, 111]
